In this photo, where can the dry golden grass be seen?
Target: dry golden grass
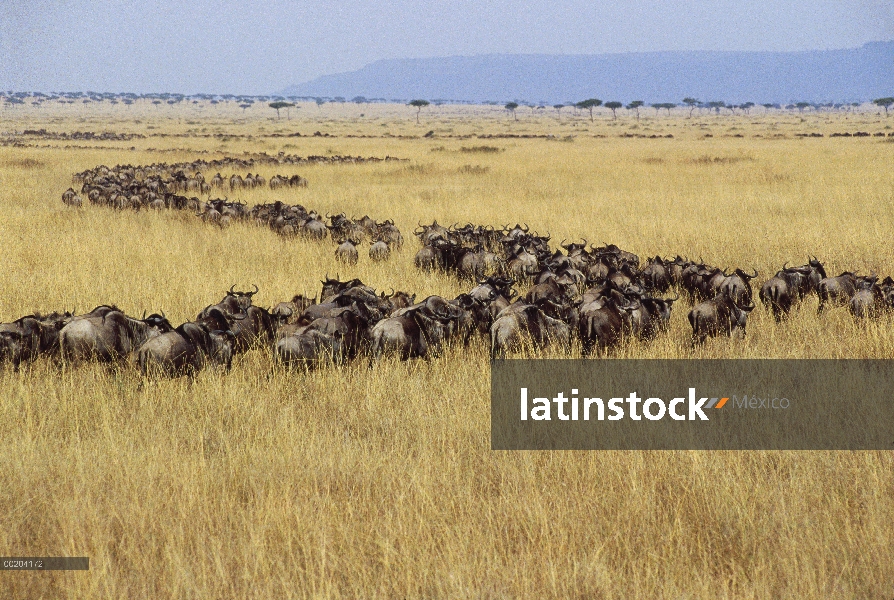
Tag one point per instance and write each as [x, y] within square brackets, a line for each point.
[380, 482]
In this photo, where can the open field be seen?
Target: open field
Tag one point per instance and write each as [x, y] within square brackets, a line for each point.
[380, 482]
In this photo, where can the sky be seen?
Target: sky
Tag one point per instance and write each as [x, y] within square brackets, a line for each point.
[222, 46]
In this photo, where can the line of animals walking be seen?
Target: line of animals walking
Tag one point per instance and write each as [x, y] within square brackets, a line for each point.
[161, 185]
[352, 319]
[156, 187]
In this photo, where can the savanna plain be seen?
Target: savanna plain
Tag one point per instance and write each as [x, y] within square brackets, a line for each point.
[380, 482]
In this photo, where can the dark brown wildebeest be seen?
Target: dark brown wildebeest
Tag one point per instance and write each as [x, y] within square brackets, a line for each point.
[522, 264]
[71, 198]
[286, 312]
[836, 290]
[28, 337]
[790, 285]
[379, 251]
[868, 298]
[523, 325]
[553, 288]
[417, 331]
[252, 326]
[430, 257]
[675, 269]
[388, 232]
[603, 320]
[578, 257]
[718, 316]
[188, 348]
[738, 286]
[333, 287]
[233, 303]
[651, 317]
[347, 252]
[496, 293]
[655, 275]
[313, 228]
[107, 334]
[779, 292]
[335, 338]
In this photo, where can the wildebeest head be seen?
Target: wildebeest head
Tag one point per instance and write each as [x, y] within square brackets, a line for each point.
[235, 300]
[333, 287]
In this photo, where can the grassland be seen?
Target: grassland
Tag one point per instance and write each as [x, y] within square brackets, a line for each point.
[380, 482]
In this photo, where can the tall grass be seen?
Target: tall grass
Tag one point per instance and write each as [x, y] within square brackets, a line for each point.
[379, 482]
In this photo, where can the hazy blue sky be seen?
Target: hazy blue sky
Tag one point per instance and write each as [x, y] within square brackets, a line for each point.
[259, 47]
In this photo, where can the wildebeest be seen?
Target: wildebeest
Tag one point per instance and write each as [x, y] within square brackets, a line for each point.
[604, 318]
[718, 316]
[233, 303]
[417, 331]
[836, 290]
[188, 348]
[287, 311]
[347, 252]
[71, 198]
[28, 337]
[779, 292]
[651, 317]
[790, 285]
[655, 275]
[379, 251]
[107, 334]
[334, 338]
[868, 299]
[522, 324]
[738, 286]
[431, 256]
[254, 325]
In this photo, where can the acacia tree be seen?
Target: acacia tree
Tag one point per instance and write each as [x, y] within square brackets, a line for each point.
[511, 106]
[589, 104]
[613, 106]
[558, 108]
[634, 106]
[419, 104]
[280, 104]
[692, 103]
[884, 103]
[801, 106]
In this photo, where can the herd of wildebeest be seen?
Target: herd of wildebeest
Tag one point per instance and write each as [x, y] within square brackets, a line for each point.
[595, 295]
[161, 186]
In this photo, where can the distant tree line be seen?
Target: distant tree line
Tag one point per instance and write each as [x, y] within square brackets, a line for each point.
[13, 99]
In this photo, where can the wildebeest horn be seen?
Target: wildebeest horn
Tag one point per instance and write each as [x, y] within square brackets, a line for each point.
[526, 229]
[785, 265]
[232, 287]
[755, 273]
[562, 243]
[674, 299]
[144, 314]
[257, 289]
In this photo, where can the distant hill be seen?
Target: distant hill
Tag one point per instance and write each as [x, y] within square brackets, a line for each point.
[849, 75]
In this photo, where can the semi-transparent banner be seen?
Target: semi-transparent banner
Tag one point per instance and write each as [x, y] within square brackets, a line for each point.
[692, 404]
